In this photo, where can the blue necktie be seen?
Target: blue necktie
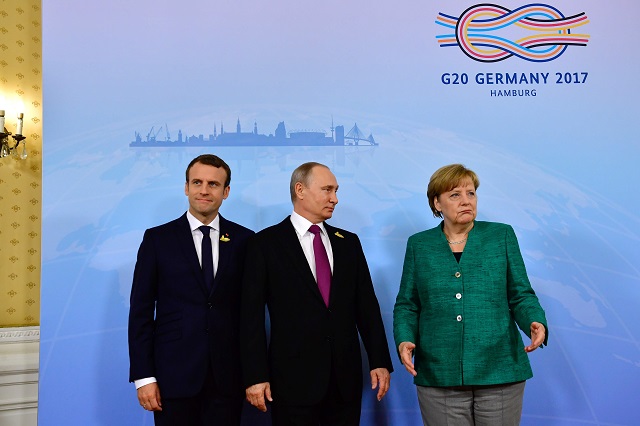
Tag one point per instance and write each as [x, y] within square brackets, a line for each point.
[207, 258]
[323, 268]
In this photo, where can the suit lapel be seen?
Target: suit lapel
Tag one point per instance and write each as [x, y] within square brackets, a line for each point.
[293, 250]
[225, 249]
[294, 255]
[337, 248]
[184, 241]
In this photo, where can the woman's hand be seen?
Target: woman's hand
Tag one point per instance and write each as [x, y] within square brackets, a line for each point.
[406, 354]
[538, 334]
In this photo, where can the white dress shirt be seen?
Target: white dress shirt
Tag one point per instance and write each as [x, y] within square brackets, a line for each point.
[196, 233]
[305, 237]
[197, 238]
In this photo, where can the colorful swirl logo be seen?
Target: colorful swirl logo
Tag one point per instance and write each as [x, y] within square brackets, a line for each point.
[486, 32]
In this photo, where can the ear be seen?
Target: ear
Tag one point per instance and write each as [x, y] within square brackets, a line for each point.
[186, 189]
[225, 193]
[299, 190]
[436, 203]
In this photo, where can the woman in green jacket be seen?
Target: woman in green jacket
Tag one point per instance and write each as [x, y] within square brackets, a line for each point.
[464, 293]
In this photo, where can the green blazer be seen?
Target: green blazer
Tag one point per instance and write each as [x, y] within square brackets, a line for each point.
[462, 316]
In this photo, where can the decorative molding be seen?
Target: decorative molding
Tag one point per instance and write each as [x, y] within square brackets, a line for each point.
[19, 376]
[19, 335]
[15, 372]
[21, 405]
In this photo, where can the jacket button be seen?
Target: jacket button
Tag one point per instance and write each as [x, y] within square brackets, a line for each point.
[459, 318]
[458, 274]
[210, 305]
[458, 296]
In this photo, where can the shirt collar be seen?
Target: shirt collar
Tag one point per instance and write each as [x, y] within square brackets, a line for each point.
[302, 224]
[195, 223]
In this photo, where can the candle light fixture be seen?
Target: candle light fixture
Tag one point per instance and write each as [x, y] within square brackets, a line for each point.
[8, 148]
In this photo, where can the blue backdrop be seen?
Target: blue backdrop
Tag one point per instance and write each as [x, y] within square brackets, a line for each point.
[556, 157]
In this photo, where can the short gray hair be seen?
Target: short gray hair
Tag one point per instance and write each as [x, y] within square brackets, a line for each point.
[302, 174]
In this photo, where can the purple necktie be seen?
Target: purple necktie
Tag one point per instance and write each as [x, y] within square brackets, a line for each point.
[323, 268]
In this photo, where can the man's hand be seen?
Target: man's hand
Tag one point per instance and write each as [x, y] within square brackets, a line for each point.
[381, 379]
[406, 356]
[538, 334]
[257, 393]
[149, 397]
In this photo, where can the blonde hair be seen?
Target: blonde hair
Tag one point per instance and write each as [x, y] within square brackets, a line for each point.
[445, 179]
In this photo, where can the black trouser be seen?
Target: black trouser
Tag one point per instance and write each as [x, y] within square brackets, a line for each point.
[331, 411]
[209, 407]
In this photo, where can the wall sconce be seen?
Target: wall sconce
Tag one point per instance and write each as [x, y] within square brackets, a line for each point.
[7, 148]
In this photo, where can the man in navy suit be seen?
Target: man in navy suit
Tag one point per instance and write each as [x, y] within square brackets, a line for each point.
[185, 308]
[315, 282]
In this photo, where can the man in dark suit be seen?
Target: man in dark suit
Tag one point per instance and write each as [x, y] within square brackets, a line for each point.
[185, 308]
[316, 284]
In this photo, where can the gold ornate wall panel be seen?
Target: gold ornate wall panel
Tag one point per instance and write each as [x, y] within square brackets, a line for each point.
[21, 180]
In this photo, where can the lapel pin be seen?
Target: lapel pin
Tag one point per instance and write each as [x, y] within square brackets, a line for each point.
[339, 235]
[225, 238]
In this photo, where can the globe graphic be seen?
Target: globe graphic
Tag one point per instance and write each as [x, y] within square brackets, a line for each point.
[577, 245]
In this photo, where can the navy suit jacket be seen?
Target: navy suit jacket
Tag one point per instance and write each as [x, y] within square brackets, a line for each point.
[308, 340]
[176, 328]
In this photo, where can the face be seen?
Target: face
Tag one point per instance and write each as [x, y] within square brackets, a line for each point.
[205, 190]
[458, 206]
[317, 201]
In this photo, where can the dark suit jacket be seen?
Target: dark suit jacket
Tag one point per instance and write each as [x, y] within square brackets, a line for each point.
[190, 328]
[308, 339]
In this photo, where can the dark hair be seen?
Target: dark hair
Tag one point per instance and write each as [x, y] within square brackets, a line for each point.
[302, 174]
[210, 160]
[445, 179]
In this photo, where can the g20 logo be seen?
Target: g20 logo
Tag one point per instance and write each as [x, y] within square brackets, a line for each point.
[492, 33]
